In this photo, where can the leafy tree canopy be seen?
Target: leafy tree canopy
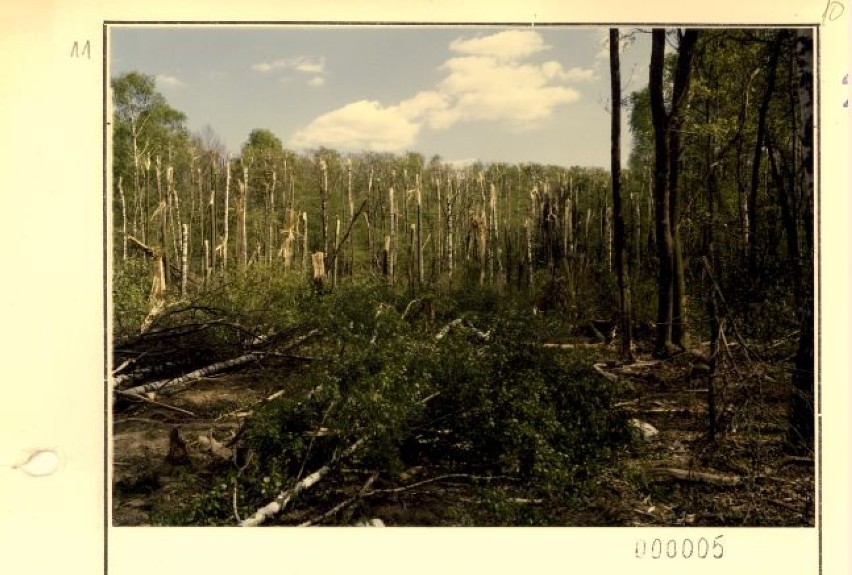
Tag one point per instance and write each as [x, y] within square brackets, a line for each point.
[262, 140]
[144, 124]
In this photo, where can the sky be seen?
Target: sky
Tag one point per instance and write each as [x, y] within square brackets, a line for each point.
[488, 93]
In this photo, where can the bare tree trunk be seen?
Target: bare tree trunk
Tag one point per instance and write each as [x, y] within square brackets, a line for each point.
[618, 217]
[324, 206]
[202, 207]
[439, 251]
[671, 323]
[305, 252]
[419, 232]
[291, 223]
[207, 266]
[791, 227]
[637, 235]
[567, 229]
[451, 196]
[184, 260]
[800, 435]
[529, 252]
[225, 217]
[214, 239]
[351, 203]
[370, 247]
[661, 194]
[242, 202]
[758, 148]
[493, 239]
[336, 259]
[680, 101]
[392, 237]
[271, 219]
[123, 222]
[177, 221]
[710, 289]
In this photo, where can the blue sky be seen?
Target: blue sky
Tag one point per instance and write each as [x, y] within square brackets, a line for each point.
[489, 93]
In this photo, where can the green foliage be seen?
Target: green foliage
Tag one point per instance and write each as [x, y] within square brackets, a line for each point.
[486, 404]
[142, 115]
[260, 139]
[131, 285]
[517, 407]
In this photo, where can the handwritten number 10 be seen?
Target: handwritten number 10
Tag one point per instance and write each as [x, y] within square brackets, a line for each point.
[833, 10]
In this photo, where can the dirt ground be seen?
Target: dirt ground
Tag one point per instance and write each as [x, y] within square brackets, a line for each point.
[748, 479]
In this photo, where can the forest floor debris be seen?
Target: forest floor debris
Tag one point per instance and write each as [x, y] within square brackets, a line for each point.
[678, 478]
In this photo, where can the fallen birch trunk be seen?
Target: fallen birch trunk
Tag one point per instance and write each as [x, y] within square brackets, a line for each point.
[596, 345]
[277, 505]
[208, 370]
[193, 375]
[460, 323]
[673, 473]
[599, 367]
[145, 399]
[344, 504]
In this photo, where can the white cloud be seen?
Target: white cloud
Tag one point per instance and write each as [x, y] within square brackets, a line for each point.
[166, 80]
[308, 65]
[486, 89]
[304, 64]
[492, 79]
[364, 124]
[508, 45]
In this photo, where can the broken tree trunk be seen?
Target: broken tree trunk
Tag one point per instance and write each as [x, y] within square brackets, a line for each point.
[123, 222]
[178, 453]
[184, 272]
[157, 297]
[318, 262]
[305, 252]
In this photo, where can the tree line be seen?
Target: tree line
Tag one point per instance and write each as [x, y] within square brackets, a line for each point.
[709, 228]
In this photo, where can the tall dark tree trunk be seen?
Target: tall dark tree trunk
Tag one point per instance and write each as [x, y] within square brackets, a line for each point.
[680, 100]
[758, 150]
[786, 198]
[662, 220]
[671, 288]
[617, 215]
[800, 436]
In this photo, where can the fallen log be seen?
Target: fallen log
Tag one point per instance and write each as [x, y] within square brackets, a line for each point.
[212, 369]
[677, 474]
[596, 345]
[342, 505]
[145, 399]
[280, 502]
[599, 367]
[185, 379]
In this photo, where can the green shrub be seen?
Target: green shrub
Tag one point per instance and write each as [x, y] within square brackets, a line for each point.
[501, 405]
[131, 286]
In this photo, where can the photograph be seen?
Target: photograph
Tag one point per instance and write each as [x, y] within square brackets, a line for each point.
[461, 275]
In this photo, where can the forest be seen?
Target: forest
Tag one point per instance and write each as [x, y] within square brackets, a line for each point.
[320, 338]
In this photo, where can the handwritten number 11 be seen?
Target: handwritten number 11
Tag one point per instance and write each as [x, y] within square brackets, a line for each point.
[77, 52]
